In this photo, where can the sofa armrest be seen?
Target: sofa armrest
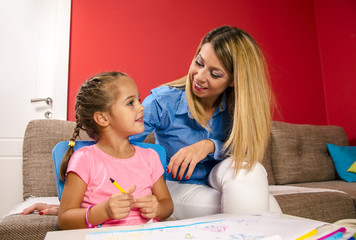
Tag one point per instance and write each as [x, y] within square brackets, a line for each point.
[27, 227]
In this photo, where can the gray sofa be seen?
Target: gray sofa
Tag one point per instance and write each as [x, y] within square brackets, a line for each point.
[297, 156]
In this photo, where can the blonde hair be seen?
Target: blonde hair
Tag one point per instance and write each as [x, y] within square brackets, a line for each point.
[249, 100]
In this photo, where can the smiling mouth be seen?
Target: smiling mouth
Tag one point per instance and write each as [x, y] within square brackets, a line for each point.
[198, 87]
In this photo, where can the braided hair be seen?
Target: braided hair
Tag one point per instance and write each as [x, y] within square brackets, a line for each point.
[97, 94]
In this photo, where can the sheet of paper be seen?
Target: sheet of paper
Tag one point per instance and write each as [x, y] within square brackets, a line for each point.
[257, 227]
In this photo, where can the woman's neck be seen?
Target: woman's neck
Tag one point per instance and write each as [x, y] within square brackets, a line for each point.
[210, 106]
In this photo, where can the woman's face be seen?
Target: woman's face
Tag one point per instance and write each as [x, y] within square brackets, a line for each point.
[209, 77]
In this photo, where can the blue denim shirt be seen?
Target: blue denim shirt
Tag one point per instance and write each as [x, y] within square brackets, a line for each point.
[167, 114]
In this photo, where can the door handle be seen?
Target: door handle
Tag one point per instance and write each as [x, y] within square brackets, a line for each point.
[48, 100]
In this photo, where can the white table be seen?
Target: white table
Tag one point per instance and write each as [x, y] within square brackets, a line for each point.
[302, 226]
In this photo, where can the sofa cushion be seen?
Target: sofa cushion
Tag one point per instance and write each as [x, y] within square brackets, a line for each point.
[343, 157]
[266, 162]
[40, 138]
[299, 152]
[321, 206]
[349, 188]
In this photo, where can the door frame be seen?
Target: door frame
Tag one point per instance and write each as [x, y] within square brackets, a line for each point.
[53, 59]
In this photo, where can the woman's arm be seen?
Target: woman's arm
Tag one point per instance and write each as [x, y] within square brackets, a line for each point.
[189, 156]
[218, 153]
[43, 208]
[159, 205]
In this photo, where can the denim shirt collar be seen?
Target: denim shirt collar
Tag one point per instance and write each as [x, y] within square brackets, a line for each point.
[183, 105]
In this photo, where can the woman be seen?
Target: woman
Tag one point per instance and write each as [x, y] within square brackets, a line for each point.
[215, 126]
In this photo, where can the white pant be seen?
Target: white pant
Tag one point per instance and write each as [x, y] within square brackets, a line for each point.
[246, 193]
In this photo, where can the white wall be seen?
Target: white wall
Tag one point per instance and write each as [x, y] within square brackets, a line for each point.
[34, 56]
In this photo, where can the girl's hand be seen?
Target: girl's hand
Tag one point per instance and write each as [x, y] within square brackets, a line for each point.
[148, 206]
[189, 156]
[118, 206]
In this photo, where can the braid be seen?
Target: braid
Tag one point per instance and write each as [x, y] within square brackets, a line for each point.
[76, 130]
[70, 151]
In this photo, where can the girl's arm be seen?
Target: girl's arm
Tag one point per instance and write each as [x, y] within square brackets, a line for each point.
[72, 215]
[159, 205]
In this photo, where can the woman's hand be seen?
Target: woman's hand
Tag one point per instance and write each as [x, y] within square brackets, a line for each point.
[43, 208]
[148, 206]
[119, 205]
[188, 157]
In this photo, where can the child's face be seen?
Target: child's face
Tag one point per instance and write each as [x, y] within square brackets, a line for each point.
[126, 116]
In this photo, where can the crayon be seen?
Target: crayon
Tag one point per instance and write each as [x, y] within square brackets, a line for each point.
[309, 234]
[336, 236]
[342, 230]
[117, 185]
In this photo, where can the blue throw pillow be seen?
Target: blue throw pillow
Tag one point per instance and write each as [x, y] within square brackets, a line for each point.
[343, 157]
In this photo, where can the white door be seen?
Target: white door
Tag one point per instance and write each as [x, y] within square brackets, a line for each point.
[34, 56]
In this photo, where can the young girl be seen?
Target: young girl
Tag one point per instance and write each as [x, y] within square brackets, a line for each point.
[108, 109]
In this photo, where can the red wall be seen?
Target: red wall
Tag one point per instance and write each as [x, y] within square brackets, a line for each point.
[336, 24]
[154, 42]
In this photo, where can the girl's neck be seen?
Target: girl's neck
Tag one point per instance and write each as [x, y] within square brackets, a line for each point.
[118, 148]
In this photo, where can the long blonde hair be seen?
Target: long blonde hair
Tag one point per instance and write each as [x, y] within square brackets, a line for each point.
[249, 100]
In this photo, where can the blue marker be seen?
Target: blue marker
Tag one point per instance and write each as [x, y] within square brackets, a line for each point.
[352, 237]
[336, 236]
